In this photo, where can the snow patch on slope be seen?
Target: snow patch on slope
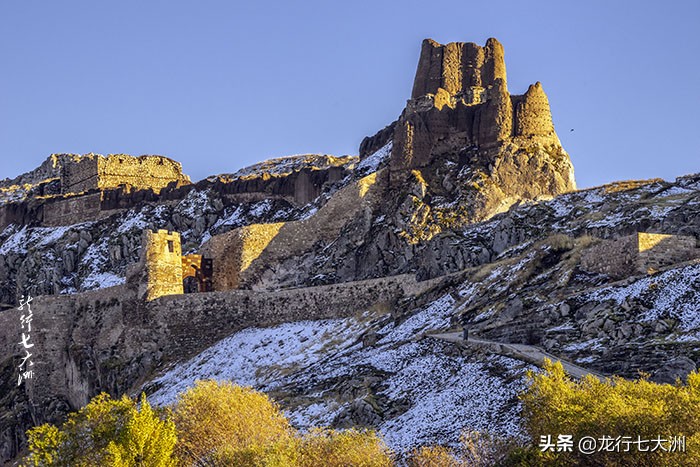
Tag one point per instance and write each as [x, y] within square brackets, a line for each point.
[372, 162]
[257, 356]
[440, 393]
[672, 294]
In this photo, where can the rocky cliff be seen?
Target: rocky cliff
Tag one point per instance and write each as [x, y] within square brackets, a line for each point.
[332, 274]
[462, 150]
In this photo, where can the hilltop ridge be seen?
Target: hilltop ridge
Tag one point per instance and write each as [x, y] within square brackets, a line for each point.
[333, 274]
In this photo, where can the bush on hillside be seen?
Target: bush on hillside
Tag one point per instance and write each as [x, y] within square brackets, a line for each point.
[554, 405]
[115, 432]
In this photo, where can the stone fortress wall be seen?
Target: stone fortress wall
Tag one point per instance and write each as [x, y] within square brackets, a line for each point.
[246, 257]
[639, 253]
[94, 171]
[234, 251]
[73, 209]
[117, 336]
[109, 339]
[656, 251]
[118, 193]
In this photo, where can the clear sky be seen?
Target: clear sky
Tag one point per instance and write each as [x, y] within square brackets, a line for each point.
[218, 85]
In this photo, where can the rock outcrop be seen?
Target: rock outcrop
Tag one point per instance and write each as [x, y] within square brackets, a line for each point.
[499, 148]
[463, 150]
[469, 188]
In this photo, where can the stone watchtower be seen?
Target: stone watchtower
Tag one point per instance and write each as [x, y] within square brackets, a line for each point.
[160, 265]
[161, 268]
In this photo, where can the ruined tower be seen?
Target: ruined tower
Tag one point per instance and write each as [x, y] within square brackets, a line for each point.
[460, 100]
[459, 68]
[464, 148]
[161, 265]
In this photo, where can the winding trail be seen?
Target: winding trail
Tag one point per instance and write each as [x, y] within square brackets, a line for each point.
[527, 353]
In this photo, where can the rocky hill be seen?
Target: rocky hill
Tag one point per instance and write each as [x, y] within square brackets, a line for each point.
[340, 284]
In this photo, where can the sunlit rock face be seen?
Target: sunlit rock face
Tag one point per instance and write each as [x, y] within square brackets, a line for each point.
[460, 99]
[460, 102]
[356, 351]
[463, 149]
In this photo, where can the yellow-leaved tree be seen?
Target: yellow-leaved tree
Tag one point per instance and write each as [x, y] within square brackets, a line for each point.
[632, 410]
[213, 424]
[361, 448]
[115, 432]
[220, 422]
[147, 440]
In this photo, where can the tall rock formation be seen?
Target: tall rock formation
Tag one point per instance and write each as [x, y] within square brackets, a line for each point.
[460, 99]
[463, 149]
[461, 110]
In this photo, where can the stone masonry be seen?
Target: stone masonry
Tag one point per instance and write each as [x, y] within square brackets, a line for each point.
[458, 67]
[199, 268]
[639, 253]
[159, 271]
[108, 340]
[235, 251]
[62, 200]
[94, 171]
[258, 256]
[460, 99]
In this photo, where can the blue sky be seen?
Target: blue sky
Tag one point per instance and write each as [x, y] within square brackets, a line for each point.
[219, 85]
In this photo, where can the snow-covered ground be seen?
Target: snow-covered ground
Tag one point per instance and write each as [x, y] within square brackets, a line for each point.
[289, 164]
[258, 356]
[672, 294]
[439, 393]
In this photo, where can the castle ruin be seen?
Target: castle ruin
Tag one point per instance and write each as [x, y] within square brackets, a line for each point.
[639, 253]
[237, 249]
[94, 171]
[161, 265]
[162, 269]
[201, 270]
[114, 338]
[460, 98]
